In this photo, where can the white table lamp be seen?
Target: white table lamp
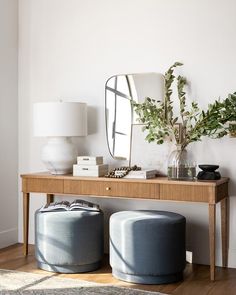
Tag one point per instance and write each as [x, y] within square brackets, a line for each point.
[59, 121]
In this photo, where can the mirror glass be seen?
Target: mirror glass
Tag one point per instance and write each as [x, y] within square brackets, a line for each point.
[120, 90]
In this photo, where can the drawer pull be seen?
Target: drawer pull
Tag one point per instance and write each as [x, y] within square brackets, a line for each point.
[108, 188]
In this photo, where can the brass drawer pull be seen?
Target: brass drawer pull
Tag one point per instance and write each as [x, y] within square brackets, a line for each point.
[108, 188]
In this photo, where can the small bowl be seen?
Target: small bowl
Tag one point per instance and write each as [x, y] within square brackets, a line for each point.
[208, 168]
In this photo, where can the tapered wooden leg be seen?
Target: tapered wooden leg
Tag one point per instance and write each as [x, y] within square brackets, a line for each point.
[212, 232]
[50, 198]
[26, 201]
[224, 231]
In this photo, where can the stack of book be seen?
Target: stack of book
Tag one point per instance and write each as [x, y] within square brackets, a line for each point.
[141, 174]
[90, 166]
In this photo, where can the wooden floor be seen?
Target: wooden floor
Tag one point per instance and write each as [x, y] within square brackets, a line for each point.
[196, 277]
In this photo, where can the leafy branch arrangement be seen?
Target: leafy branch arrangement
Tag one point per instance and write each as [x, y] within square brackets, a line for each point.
[161, 124]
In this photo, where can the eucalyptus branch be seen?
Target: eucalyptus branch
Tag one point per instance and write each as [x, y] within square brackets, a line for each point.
[159, 121]
[169, 79]
[181, 82]
[212, 122]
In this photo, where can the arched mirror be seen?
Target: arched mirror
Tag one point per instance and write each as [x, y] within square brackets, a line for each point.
[120, 90]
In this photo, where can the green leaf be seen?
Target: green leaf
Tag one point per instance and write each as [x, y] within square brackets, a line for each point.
[159, 119]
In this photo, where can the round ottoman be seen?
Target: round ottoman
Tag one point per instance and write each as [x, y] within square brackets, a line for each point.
[69, 241]
[147, 247]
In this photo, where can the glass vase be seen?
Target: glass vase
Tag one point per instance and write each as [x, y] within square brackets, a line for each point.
[181, 165]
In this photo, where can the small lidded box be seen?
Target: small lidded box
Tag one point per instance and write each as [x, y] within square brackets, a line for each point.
[90, 166]
[87, 160]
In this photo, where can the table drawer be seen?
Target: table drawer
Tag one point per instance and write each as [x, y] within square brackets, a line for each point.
[180, 192]
[112, 189]
[41, 185]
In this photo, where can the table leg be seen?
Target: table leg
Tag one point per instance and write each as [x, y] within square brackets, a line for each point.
[50, 198]
[26, 201]
[212, 233]
[224, 231]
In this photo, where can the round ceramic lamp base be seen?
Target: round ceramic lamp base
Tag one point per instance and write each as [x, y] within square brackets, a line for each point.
[59, 155]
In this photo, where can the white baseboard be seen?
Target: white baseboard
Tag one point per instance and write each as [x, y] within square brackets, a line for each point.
[8, 237]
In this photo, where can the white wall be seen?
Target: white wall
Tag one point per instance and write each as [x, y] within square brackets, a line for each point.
[8, 122]
[69, 48]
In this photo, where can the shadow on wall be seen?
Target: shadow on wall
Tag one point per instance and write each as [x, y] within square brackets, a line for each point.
[232, 183]
[92, 120]
[80, 142]
[201, 233]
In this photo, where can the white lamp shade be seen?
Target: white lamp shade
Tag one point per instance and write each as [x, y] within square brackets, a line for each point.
[52, 119]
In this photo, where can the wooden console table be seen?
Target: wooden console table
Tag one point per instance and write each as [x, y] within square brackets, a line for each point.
[153, 189]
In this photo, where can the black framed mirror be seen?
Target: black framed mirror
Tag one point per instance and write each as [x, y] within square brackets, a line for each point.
[120, 90]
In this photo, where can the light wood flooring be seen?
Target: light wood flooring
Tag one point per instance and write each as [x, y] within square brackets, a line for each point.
[196, 277]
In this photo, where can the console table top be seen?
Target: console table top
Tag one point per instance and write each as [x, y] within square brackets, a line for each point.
[157, 180]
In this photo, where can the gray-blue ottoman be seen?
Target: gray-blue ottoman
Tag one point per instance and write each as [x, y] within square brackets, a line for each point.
[69, 241]
[147, 247]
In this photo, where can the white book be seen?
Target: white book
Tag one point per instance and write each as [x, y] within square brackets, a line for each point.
[90, 170]
[89, 173]
[87, 160]
[67, 206]
[142, 174]
[78, 167]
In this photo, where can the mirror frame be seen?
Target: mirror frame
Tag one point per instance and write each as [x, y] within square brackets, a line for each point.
[130, 98]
